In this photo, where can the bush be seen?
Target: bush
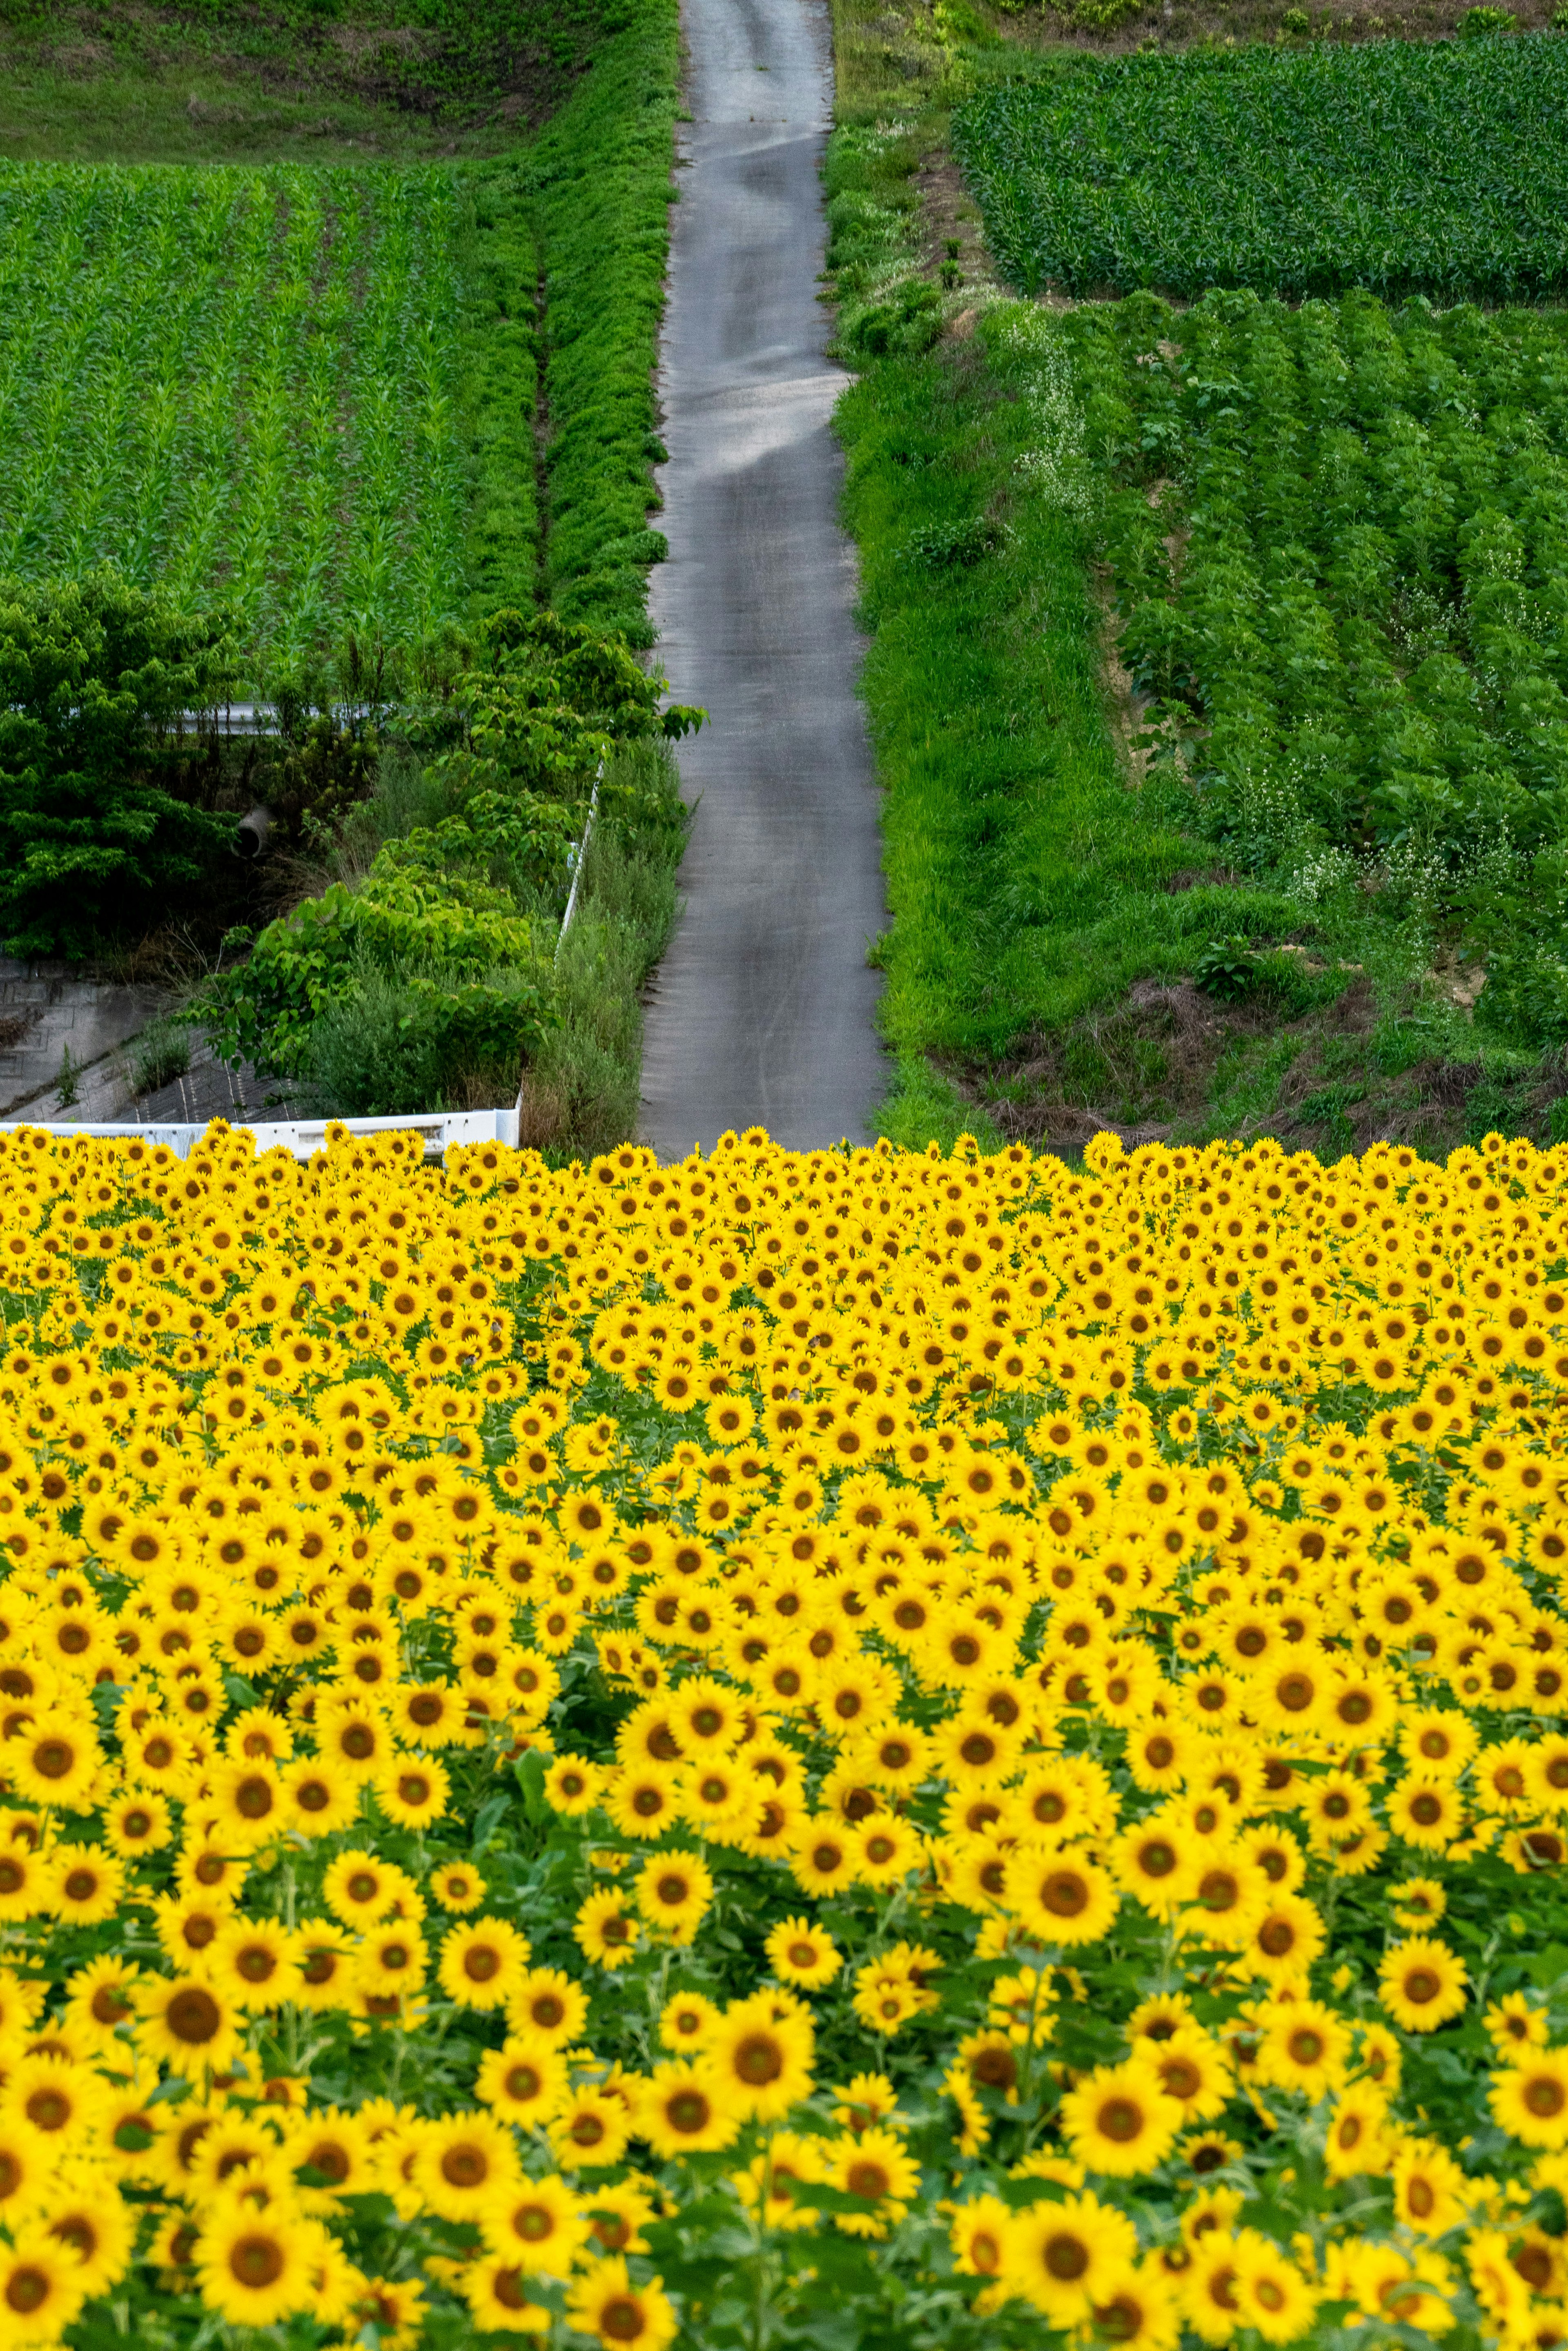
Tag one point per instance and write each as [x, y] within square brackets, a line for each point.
[1476, 22]
[100, 784]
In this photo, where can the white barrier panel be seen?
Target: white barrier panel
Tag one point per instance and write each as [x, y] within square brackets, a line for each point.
[304, 1136]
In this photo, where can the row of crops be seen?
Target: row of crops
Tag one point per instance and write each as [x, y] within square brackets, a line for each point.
[1403, 167]
[239, 385]
[1338, 541]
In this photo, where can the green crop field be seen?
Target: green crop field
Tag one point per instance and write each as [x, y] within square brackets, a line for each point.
[1338, 540]
[1437, 168]
[239, 384]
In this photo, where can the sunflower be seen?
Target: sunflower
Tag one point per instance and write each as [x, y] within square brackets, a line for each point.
[54, 1760]
[800, 1953]
[1303, 2046]
[688, 2022]
[606, 1931]
[537, 2223]
[1193, 2071]
[1061, 2255]
[413, 1790]
[1431, 2194]
[497, 2291]
[1285, 1939]
[101, 1998]
[317, 1801]
[1120, 2121]
[99, 2230]
[256, 2269]
[255, 1963]
[461, 2161]
[625, 2317]
[87, 1884]
[336, 2148]
[1530, 2099]
[1271, 2294]
[396, 2308]
[572, 1786]
[525, 2081]
[590, 2130]
[458, 1887]
[137, 1823]
[1421, 1984]
[978, 2235]
[616, 2216]
[1208, 2286]
[546, 2002]
[1428, 1813]
[762, 2053]
[62, 2101]
[877, 2170]
[1063, 1898]
[1357, 2140]
[188, 2023]
[483, 1964]
[687, 2107]
[42, 2287]
[326, 1966]
[674, 1892]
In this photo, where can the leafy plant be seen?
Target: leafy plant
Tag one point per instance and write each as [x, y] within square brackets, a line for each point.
[1227, 968]
[1476, 22]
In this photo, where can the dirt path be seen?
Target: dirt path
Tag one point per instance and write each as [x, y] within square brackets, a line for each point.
[762, 1010]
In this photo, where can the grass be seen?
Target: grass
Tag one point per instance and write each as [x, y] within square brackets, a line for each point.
[277, 81]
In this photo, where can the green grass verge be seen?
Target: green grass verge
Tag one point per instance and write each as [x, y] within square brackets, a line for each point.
[1025, 876]
[601, 179]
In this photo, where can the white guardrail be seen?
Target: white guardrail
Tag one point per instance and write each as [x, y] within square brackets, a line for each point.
[304, 1136]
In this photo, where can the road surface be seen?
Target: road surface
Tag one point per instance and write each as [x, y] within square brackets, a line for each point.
[762, 1011]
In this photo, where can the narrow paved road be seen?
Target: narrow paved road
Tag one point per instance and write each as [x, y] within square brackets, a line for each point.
[762, 1010]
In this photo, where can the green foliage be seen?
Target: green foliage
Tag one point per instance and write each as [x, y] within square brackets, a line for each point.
[440, 934]
[907, 322]
[443, 926]
[1360, 652]
[1436, 167]
[99, 783]
[1475, 22]
[599, 183]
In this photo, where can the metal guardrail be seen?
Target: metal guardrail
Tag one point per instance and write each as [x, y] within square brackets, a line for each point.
[303, 1137]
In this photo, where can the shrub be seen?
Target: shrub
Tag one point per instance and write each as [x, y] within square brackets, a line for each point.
[100, 783]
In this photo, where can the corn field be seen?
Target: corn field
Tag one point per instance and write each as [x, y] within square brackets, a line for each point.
[238, 383]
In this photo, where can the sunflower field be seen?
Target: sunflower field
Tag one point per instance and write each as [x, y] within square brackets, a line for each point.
[833, 1749]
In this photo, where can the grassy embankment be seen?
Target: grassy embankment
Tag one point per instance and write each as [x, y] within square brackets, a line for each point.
[1052, 898]
[556, 128]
